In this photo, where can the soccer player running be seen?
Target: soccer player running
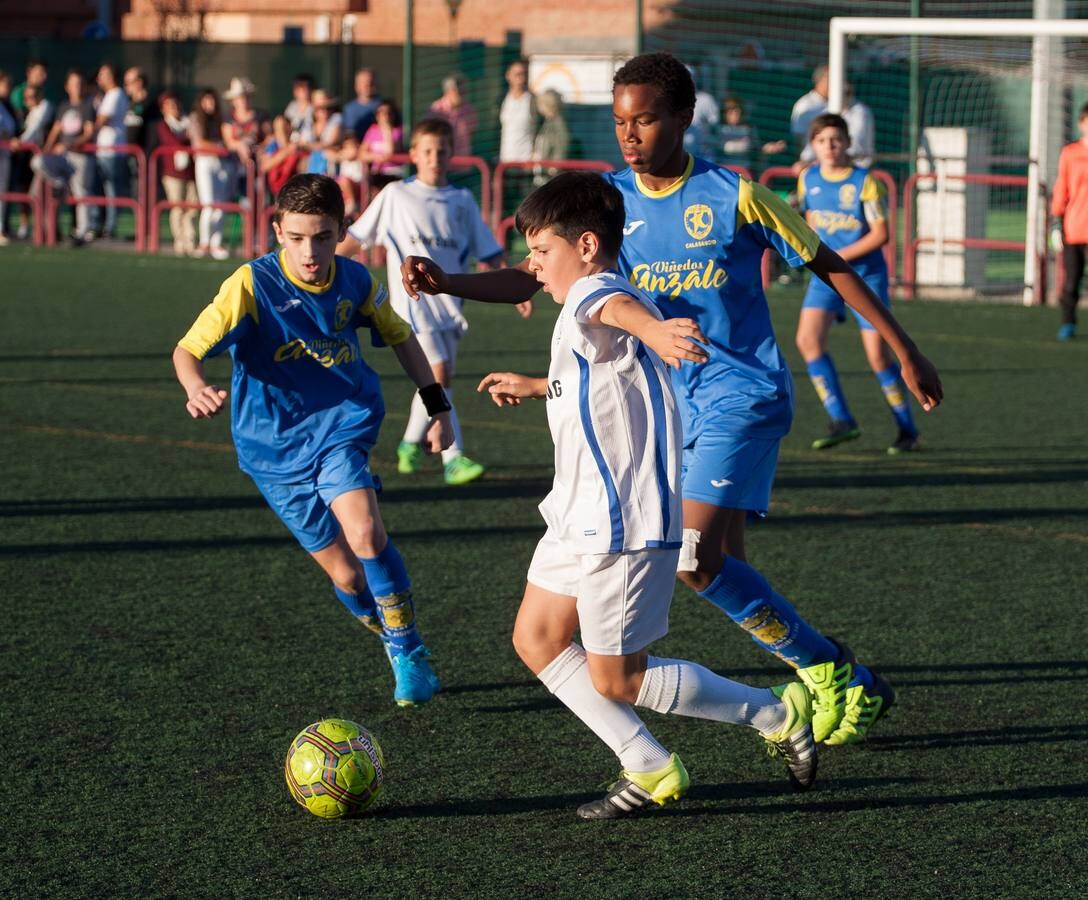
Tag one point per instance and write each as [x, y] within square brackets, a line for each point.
[845, 206]
[694, 240]
[607, 562]
[428, 216]
[306, 408]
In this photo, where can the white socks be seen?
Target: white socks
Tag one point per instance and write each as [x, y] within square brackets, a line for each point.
[418, 421]
[688, 689]
[617, 724]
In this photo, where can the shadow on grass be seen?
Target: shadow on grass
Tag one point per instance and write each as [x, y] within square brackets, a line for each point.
[1026, 473]
[900, 518]
[990, 737]
[727, 796]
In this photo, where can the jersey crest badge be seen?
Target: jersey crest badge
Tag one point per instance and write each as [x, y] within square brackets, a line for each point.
[698, 220]
[848, 196]
[342, 315]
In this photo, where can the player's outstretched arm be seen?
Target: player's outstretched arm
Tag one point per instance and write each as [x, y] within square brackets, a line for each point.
[671, 339]
[203, 400]
[509, 388]
[415, 365]
[424, 276]
[919, 374]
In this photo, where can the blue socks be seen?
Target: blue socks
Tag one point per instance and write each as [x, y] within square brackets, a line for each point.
[388, 579]
[362, 607]
[744, 595]
[895, 392]
[825, 379]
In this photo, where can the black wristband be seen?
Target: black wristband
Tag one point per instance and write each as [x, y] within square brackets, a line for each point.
[434, 399]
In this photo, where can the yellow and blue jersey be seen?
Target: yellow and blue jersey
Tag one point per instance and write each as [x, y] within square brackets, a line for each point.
[841, 209]
[696, 248]
[300, 385]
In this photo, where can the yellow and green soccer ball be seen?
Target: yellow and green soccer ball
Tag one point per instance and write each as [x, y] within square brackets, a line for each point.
[334, 768]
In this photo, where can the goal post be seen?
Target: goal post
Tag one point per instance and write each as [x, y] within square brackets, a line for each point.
[1040, 31]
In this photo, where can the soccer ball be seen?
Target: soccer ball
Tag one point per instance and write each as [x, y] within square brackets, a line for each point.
[334, 768]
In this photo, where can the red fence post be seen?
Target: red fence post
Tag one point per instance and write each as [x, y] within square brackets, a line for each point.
[565, 165]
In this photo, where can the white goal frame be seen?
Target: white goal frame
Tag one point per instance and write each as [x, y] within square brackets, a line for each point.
[842, 27]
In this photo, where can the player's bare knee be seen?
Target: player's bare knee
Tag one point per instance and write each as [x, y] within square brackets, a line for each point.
[366, 536]
[620, 688]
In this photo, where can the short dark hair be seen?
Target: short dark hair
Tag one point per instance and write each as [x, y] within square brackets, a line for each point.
[573, 203]
[312, 195]
[663, 72]
[828, 120]
[304, 78]
[431, 125]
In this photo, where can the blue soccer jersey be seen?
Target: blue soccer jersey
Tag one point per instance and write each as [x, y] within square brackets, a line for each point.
[696, 248]
[841, 207]
[300, 386]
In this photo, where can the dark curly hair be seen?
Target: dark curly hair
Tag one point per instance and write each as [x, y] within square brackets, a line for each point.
[663, 72]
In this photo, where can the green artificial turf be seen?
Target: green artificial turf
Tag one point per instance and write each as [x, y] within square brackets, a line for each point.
[164, 638]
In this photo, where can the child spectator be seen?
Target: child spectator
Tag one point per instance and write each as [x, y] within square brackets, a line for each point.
[739, 140]
[607, 562]
[206, 133]
[307, 408]
[427, 216]
[281, 157]
[300, 111]
[846, 207]
[1070, 204]
[172, 131]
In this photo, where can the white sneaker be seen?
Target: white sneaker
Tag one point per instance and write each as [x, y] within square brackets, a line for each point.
[220, 253]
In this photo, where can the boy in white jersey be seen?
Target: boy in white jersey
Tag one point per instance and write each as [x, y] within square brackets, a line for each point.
[427, 216]
[608, 559]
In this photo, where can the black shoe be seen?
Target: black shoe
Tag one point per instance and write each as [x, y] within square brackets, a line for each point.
[906, 442]
[838, 432]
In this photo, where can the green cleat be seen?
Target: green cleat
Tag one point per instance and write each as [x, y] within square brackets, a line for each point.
[462, 470]
[793, 742]
[409, 457]
[905, 442]
[863, 708]
[636, 791]
[838, 432]
[827, 683]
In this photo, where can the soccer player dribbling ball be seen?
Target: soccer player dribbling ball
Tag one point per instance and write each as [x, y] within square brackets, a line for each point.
[306, 408]
[607, 563]
[693, 240]
[845, 206]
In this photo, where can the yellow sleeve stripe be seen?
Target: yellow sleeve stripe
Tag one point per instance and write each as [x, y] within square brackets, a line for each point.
[392, 328]
[227, 311]
[759, 205]
[873, 198]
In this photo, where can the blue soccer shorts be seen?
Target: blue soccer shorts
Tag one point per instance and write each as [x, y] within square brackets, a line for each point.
[820, 296]
[305, 506]
[731, 471]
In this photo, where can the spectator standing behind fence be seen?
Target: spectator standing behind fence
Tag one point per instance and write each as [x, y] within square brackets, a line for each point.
[111, 167]
[300, 111]
[858, 116]
[8, 128]
[807, 108]
[37, 121]
[552, 141]
[700, 137]
[327, 134]
[244, 131]
[455, 109]
[172, 132]
[360, 113]
[205, 133]
[738, 139]
[382, 139]
[1070, 205]
[281, 157]
[517, 115]
[143, 111]
[37, 74]
[63, 163]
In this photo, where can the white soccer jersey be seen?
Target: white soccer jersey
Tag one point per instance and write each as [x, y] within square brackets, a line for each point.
[410, 218]
[617, 434]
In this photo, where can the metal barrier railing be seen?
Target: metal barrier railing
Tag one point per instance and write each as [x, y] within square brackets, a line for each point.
[35, 197]
[890, 255]
[137, 204]
[566, 165]
[244, 212]
[911, 242]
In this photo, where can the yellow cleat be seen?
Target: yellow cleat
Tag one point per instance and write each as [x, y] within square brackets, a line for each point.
[636, 791]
